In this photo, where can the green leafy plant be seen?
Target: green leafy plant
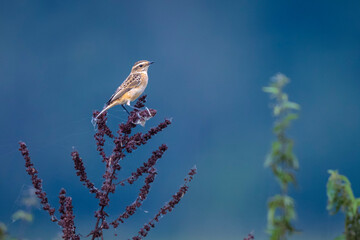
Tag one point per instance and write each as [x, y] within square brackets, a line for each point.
[3, 233]
[29, 201]
[3, 230]
[341, 197]
[22, 215]
[282, 161]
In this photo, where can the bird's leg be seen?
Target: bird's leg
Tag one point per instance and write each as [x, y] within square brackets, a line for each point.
[125, 109]
[137, 110]
[134, 108]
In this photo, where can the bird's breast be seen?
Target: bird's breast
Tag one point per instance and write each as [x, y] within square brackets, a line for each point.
[136, 92]
[145, 77]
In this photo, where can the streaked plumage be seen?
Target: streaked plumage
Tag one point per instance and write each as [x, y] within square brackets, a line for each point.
[131, 88]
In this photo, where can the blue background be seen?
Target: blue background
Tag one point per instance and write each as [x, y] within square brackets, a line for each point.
[60, 60]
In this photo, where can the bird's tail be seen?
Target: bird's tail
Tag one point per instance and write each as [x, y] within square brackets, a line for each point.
[95, 119]
[102, 111]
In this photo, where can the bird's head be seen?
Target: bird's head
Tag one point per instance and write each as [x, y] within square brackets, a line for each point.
[141, 66]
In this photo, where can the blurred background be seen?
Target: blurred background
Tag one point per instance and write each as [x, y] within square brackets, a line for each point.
[60, 60]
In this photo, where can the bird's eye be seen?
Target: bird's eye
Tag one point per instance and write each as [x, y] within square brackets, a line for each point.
[141, 65]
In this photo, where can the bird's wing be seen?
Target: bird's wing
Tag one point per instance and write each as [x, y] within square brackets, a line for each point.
[131, 82]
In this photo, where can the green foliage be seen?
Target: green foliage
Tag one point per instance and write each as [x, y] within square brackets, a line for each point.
[3, 233]
[280, 222]
[341, 197]
[3, 230]
[29, 200]
[282, 161]
[22, 215]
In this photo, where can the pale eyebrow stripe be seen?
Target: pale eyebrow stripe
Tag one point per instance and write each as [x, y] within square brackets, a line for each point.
[139, 64]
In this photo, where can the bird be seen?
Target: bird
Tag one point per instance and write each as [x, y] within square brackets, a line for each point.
[133, 86]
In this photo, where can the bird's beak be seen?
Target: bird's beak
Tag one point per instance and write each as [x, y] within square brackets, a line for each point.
[151, 63]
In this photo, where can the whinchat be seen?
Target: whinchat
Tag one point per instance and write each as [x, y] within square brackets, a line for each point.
[133, 86]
